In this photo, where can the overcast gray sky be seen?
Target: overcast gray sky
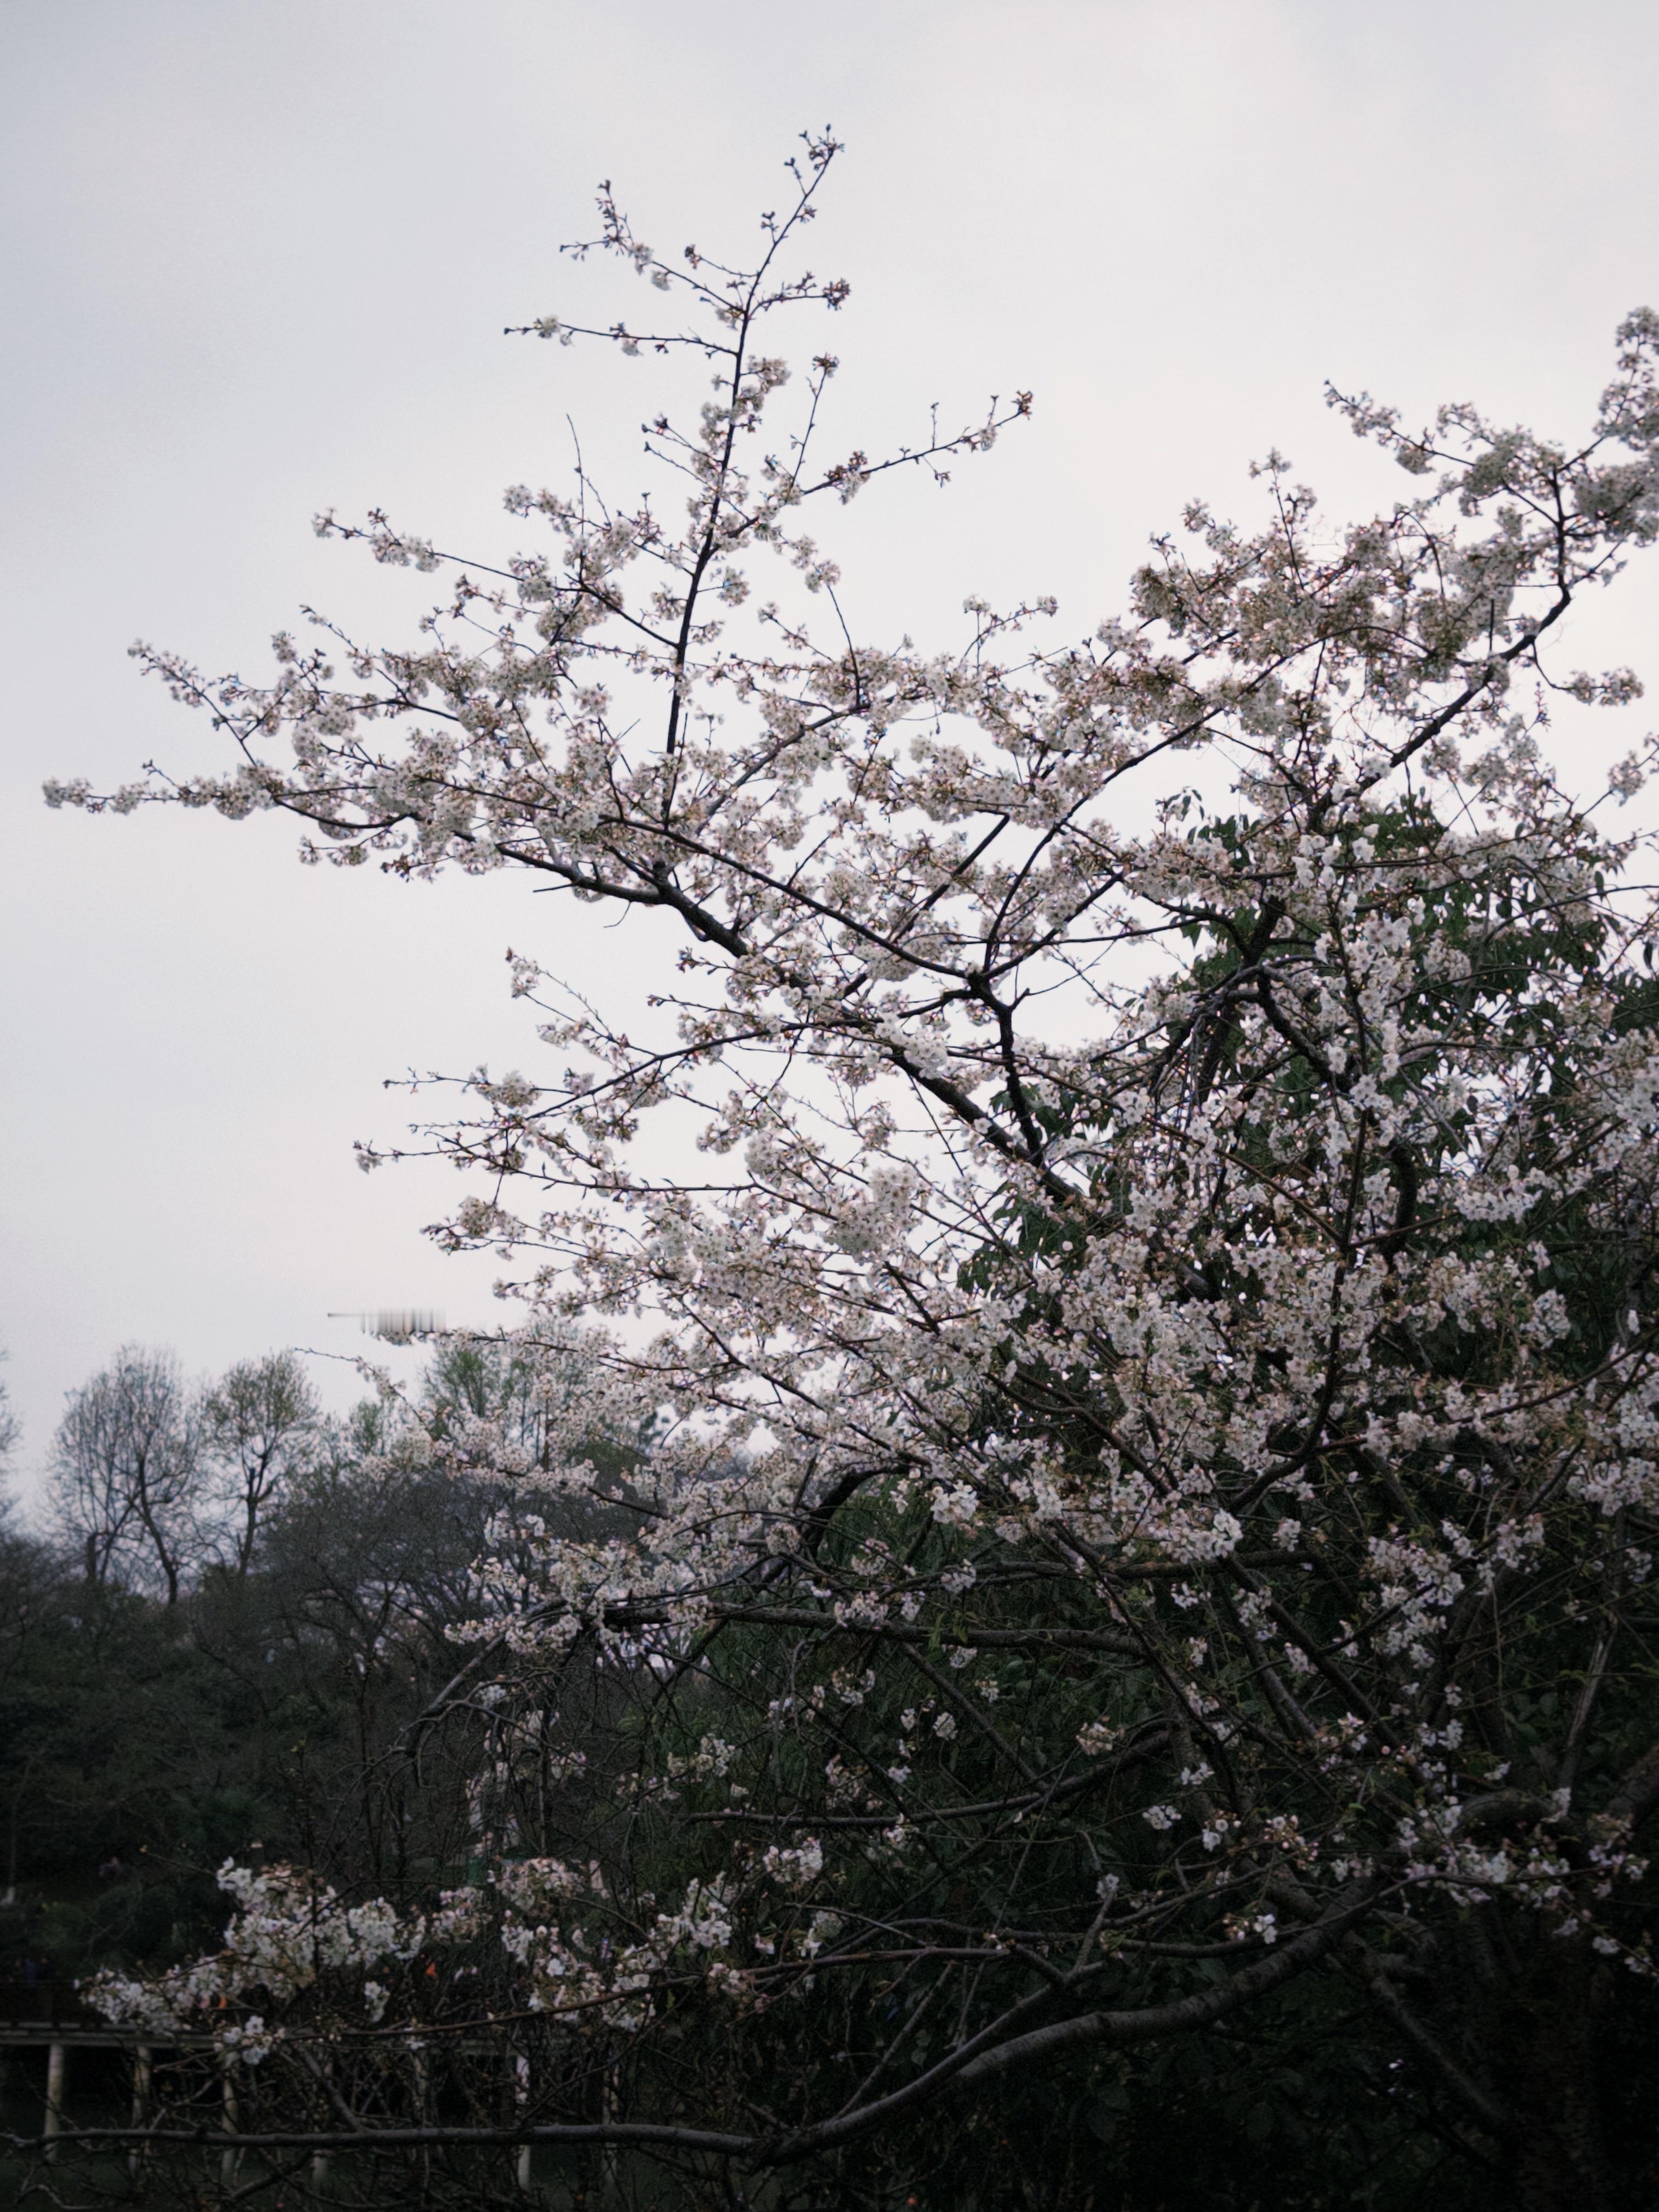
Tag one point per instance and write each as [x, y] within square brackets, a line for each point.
[256, 258]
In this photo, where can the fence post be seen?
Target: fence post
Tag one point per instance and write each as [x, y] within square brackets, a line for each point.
[422, 2113]
[610, 2157]
[230, 2160]
[141, 2063]
[56, 2062]
[520, 2105]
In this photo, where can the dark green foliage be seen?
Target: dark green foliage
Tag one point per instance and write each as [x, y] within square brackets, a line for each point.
[142, 1744]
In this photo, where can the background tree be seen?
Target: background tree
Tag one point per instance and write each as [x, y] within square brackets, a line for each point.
[125, 1476]
[1152, 1398]
[259, 1424]
[9, 1432]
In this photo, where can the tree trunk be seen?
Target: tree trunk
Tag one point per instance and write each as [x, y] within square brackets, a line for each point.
[1558, 2154]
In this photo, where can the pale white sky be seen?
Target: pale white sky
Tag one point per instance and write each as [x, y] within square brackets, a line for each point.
[256, 258]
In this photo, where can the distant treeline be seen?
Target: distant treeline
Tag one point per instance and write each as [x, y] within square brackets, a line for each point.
[214, 1645]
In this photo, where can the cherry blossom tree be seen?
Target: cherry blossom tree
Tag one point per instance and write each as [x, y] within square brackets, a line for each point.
[1151, 1375]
